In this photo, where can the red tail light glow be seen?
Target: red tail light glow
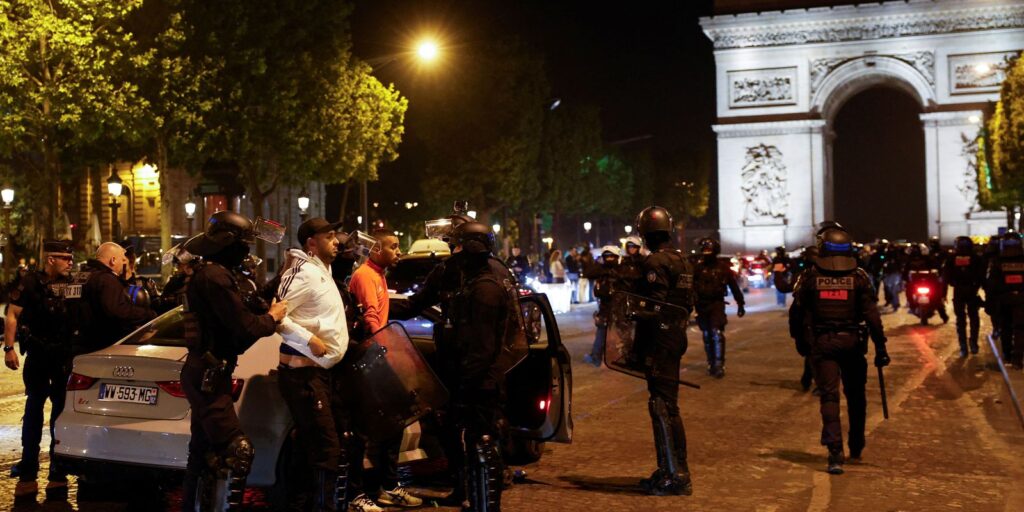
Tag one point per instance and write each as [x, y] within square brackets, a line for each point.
[172, 387]
[236, 388]
[543, 405]
[923, 290]
[77, 382]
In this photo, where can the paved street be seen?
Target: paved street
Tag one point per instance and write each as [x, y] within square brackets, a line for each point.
[951, 443]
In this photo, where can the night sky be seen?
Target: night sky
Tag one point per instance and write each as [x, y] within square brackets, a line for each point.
[648, 68]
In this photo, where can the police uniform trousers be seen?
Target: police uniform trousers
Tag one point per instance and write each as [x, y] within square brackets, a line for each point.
[965, 307]
[214, 422]
[711, 315]
[1011, 329]
[839, 356]
[662, 345]
[45, 377]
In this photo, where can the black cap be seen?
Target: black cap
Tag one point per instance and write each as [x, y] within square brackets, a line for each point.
[314, 226]
[58, 246]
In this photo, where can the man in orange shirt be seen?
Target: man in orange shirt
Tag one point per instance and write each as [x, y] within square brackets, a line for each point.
[370, 289]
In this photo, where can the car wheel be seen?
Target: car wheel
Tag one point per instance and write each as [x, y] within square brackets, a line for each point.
[524, 451]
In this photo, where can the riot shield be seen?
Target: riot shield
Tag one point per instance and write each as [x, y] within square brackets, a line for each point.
[390, 382]
[623, 350]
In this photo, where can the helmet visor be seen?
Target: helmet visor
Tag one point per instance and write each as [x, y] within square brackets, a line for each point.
[364, 244]
[268, 230]
[438, 229]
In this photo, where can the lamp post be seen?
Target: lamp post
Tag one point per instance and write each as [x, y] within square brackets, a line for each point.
[114, 187]
[190, 214]
[7, 195]
[303, 207]
[628, 228]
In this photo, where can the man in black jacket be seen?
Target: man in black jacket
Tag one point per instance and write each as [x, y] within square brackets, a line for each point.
[106, 311]
[219, 327]
[605, 277]
[711, 278]
[964, 271]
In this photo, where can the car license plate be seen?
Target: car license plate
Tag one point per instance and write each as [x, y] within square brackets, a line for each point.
[131, 394]
[923, 300]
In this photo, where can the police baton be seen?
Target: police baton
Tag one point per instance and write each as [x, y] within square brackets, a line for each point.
[881, 387]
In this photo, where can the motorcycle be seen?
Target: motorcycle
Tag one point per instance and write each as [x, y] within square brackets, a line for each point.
[924, 294]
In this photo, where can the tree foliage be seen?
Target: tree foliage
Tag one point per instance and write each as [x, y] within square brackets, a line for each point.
[1000, 147]
[61, 89]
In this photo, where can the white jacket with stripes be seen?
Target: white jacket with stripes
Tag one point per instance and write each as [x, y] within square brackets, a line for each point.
[314, 307]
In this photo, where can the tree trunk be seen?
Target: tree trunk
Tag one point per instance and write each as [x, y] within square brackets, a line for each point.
[344, 200]
[166, 215]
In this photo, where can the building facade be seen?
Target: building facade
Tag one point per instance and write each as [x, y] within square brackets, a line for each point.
[783, 76]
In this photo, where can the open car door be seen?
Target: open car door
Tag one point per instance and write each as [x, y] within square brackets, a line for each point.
[539, 389]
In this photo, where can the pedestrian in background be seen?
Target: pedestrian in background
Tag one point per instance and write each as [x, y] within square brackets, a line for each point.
[572, 274]
[106, 310]
[557, 268]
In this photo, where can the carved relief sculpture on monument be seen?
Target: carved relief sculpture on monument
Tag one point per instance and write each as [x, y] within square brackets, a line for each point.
[764, 181]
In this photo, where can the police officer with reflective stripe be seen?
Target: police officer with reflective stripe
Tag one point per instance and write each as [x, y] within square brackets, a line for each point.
[220, 454]
[666, 276]
[831, 303]
[964, 271]
[37, 319]
[711, 277]
[1006, 283]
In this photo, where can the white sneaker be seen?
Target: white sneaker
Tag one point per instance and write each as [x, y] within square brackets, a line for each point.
[363, 504]
[399, 497]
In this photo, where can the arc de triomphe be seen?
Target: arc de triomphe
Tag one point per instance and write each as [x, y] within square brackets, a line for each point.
[783, 76]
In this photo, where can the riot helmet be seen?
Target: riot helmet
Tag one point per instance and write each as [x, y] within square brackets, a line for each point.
[835, 250]
[810, 252]
[709, 247]
[827, 225]
[633, 241]
[916, 250]
[1010, 245]
[654, 219]
[963, 245]
[610, 254]
[474, 237]
[934, 244]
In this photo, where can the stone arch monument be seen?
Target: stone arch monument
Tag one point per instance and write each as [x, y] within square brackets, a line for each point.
[783, 76]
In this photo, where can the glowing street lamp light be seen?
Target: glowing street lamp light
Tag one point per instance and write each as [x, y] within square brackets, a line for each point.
[427, 50]
[303, 201]
[471, 213]
[982, 69]
[628, 228]
[7, 194]
[974, 119]
[114, 186]
[190, 214]
[586, 226]
[497, 228]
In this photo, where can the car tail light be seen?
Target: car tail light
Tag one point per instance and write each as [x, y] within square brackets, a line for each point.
[236, 388]
[542, 405]
[173, 388]
[78, 382]
[923, 290]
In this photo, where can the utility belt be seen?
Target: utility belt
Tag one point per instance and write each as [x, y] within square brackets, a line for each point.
[214, 368]
[859, 330]
[36, 344]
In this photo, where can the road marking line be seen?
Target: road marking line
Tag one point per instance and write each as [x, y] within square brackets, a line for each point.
[821, 494]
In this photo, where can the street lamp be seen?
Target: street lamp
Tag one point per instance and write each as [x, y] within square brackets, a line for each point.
[496, 228]
[628, 228]
[190, 214]
[7, 194]
[586, 226]
[471, 213]
[114, 187]
[427, 50]
[303, 207]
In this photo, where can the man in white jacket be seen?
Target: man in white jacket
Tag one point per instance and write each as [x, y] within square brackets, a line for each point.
[315, 335]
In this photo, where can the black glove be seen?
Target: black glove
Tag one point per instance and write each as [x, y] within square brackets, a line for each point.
[740, 311]
[881, 355]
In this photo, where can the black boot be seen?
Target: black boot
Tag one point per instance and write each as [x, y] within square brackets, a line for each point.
[719, 366]
[190, 491]
[835, 459]
[665, 481]
[679, 442]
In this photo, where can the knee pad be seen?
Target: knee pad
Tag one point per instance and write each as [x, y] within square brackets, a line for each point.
[238, 455]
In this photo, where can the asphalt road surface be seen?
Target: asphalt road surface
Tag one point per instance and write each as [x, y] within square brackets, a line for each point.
[952, 442]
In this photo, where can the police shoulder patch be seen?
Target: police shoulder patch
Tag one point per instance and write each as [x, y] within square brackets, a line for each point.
[652, 276]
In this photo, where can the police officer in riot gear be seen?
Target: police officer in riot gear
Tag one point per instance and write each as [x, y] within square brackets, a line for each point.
[831, 303]
[990, 255]
[964, 271]
[666, 276]
[605, 277]
[219, 327]
[37, 318]
[711, 277]
[480, 317]
[1006, 283]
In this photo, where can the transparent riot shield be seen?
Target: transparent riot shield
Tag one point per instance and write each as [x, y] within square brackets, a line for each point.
[624, 350]
[391, 383]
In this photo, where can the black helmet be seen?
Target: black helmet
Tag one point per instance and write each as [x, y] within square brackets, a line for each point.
[654, 219]
[835, 250]
[1010, 245]
[710, 247]
[827, 225]
[225, 228]
[474, 237]
[964, 245]
[934, 243]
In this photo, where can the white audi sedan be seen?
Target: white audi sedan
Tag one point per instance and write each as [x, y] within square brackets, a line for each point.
[126, 410]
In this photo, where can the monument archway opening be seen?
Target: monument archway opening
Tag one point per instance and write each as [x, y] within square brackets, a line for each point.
[878, 165]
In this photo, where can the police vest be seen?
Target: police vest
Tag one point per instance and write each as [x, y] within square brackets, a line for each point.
[1013, 275]
[709, 281]
[79, 314]
[514, 345]
[680, 280]
[833, 298]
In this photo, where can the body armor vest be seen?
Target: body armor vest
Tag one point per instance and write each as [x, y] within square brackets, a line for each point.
[709, 280]
[833, 297]
[1012, 271]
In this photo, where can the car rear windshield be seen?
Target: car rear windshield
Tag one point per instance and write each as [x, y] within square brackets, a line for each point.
[410, 272]
[168, 330]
